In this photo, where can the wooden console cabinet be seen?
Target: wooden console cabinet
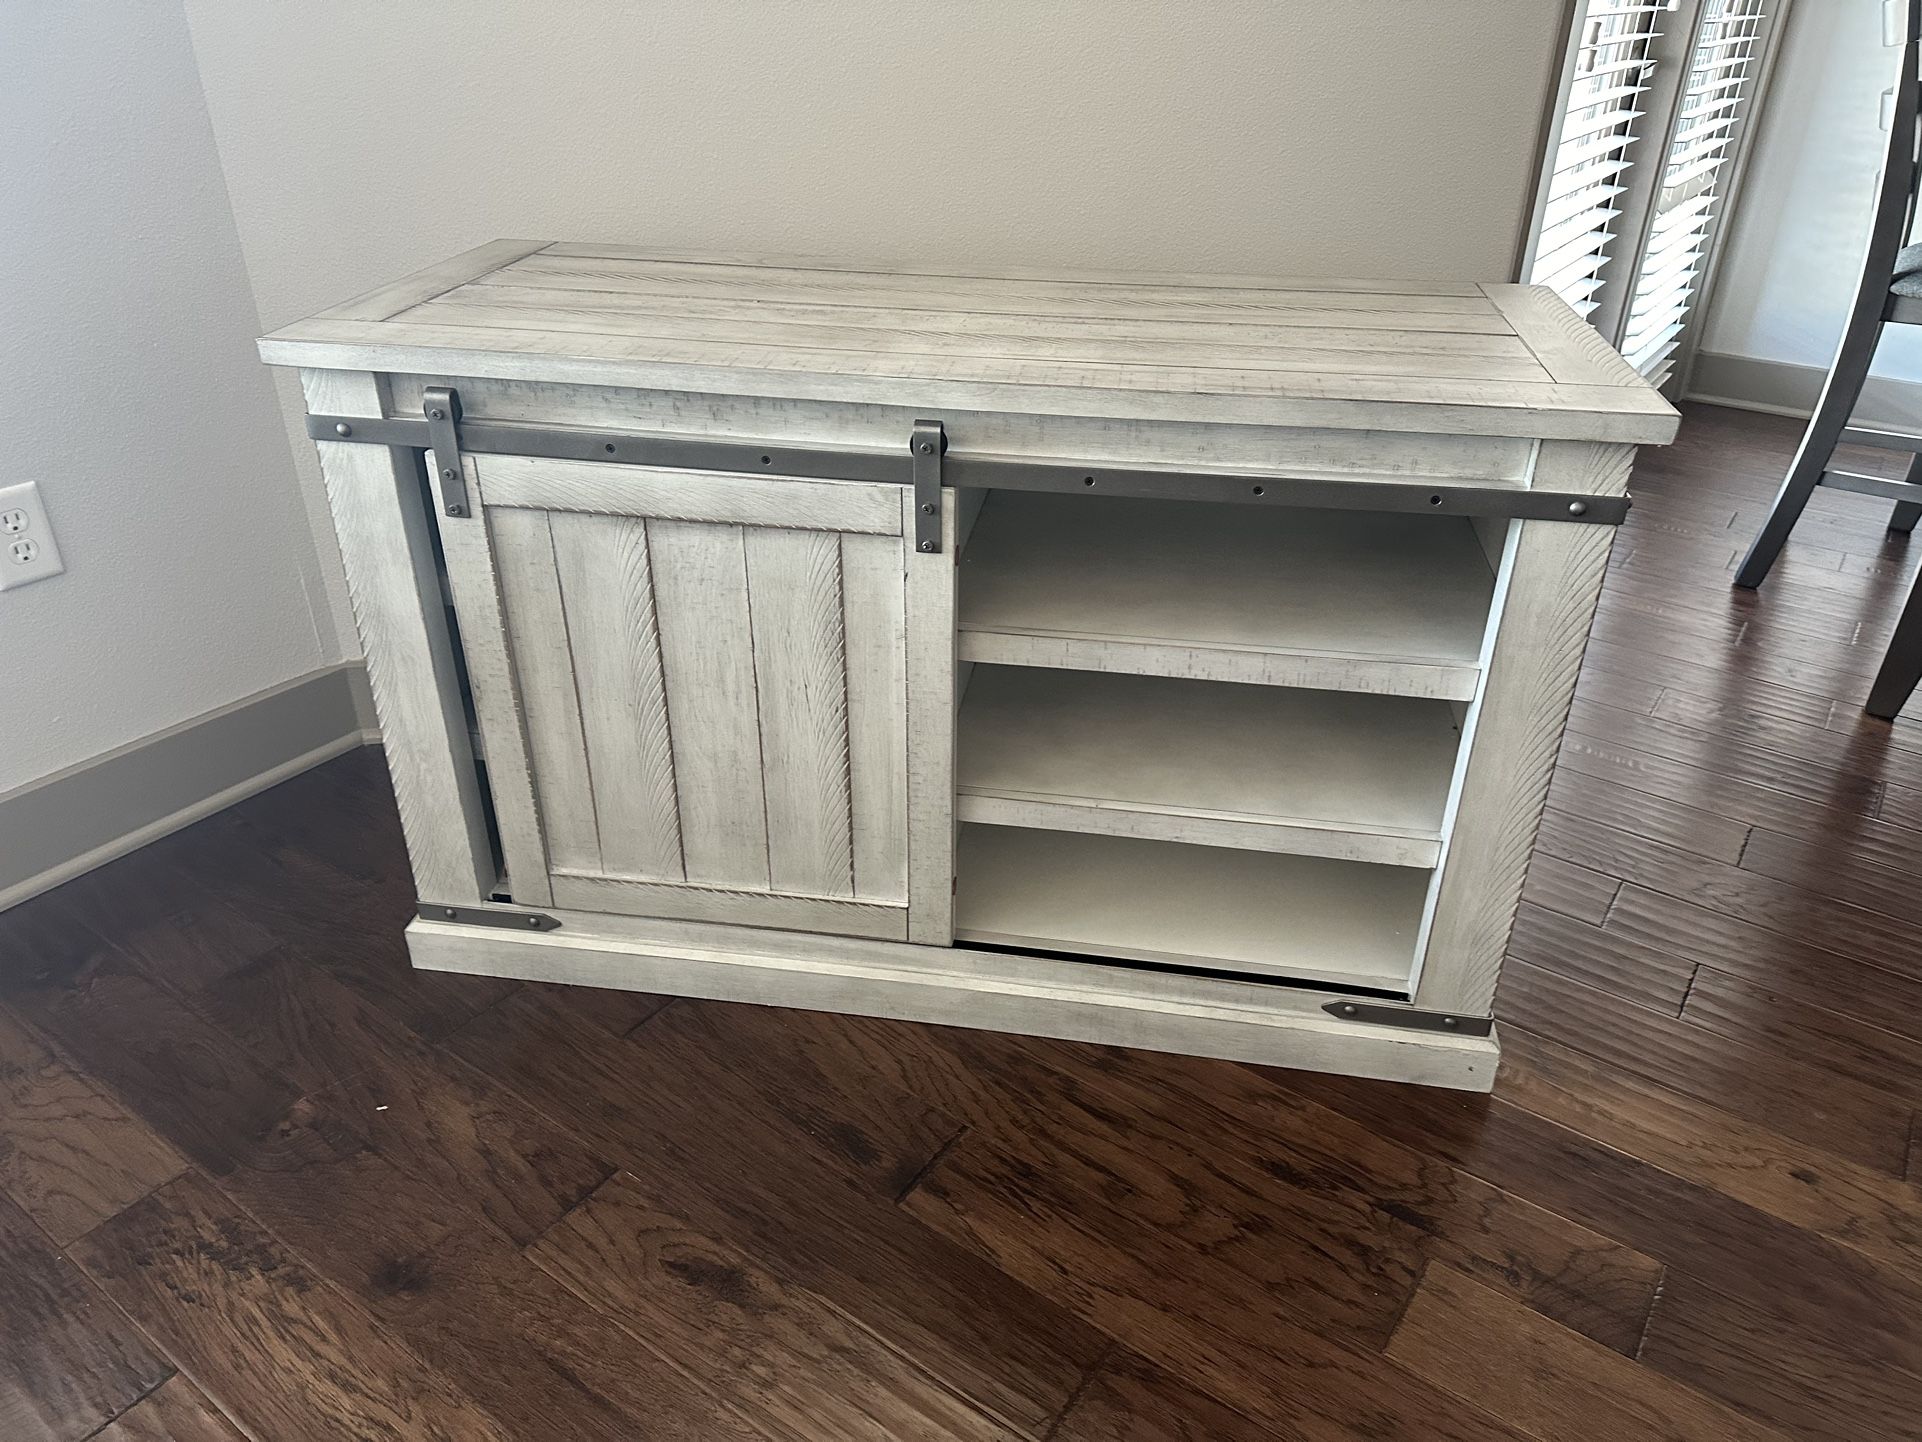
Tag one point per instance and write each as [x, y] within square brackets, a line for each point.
[1171, 661]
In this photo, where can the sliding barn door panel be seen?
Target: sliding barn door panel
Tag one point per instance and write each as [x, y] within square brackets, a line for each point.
[712, 673]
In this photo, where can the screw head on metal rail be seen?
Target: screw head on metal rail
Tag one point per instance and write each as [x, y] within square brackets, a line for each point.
[927, 545]
[1578, 508]
[457, 509]
[341, 428]
[437, 414]
[927, 448]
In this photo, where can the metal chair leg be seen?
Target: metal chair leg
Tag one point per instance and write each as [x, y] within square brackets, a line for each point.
[1831, 418]
[1906, 513]
[1902, 666]
[1895, 202]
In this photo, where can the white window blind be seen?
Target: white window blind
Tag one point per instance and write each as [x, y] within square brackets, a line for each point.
[1593, 153]
[1653, 118]
[1714, 103]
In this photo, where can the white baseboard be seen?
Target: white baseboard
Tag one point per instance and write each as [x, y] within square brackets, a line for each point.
[64, 825]
[1780, 388]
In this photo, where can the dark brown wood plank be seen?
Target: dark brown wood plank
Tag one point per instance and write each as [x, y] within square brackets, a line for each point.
[761, 1185]
[70, 1155]
[431, 1115]
[159, 917]
[1807, 971]
[791, 1360]
[1811, 1188]
[1755, 1081]
[177, 1412]
[280, 1351]
[1745, 895]
[1570, 890]
[1575, 799]
[1556, 1386]
[1763, 1019]
[178, 1072]
[544, 1363]
[69, 1361]
[617, 1012]
[1737, 1247]
[1130, 1400]
[1807, 1383]
[1257, 1357]
[1747, 802]
[881, 1134]
[1186, 1145]
[1599, 958]
[333, 920]
[1823, 779]
[1881, 889]
[342, 814]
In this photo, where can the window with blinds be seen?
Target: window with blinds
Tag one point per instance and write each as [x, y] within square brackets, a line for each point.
[1593, 154]
[1655, 109]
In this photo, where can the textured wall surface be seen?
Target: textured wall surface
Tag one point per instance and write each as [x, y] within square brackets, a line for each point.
[1796, 241]
[364, 138]
[129, 390]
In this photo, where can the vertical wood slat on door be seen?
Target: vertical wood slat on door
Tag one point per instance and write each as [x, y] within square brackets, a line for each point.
[874, 603]
[707, 653]
[800, 662]
[608, 591]
[542, 658]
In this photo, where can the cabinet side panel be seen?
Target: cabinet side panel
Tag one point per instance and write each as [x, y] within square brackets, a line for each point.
[387, 548]
[800, 662]
[875, 604]
[1543, 630]
[930, 693]
[608, 593]
[707, 655]
[543, 664]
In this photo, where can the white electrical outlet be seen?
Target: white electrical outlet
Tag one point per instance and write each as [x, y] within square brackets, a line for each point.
[27, 548]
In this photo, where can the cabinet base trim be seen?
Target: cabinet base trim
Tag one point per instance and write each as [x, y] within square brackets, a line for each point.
[1206, 1016]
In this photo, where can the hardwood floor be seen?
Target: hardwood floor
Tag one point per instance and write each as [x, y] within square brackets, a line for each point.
[259, 1179]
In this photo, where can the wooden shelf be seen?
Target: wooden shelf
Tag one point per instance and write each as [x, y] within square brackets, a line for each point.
[1393, 604]
[1301, 917]
[1262, 768]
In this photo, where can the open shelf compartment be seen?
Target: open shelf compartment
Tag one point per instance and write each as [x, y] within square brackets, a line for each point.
[1264, 768]
[1300, 918]
[1354, 601]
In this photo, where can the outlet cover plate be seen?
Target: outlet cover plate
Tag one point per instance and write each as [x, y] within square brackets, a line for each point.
[28, 552]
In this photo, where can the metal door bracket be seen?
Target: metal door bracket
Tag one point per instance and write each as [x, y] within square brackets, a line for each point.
[489, 916]
[927, 446]
[442, 404]
[1377, 1014]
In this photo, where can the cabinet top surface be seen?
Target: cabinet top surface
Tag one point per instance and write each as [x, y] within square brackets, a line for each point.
[1431, 356]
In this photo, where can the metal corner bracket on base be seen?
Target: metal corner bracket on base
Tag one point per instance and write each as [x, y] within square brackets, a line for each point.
[1408, 1017]
[488, 916]
[928, 466]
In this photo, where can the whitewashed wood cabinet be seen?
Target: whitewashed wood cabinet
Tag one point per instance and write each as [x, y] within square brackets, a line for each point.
[1171, 661]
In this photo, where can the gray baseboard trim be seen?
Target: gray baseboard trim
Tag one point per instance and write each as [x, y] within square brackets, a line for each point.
[63, 825]
[1783, 389]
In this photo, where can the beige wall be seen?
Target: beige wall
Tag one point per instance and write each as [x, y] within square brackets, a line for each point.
[363, 138]
[1796, 241]
[131, 393]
